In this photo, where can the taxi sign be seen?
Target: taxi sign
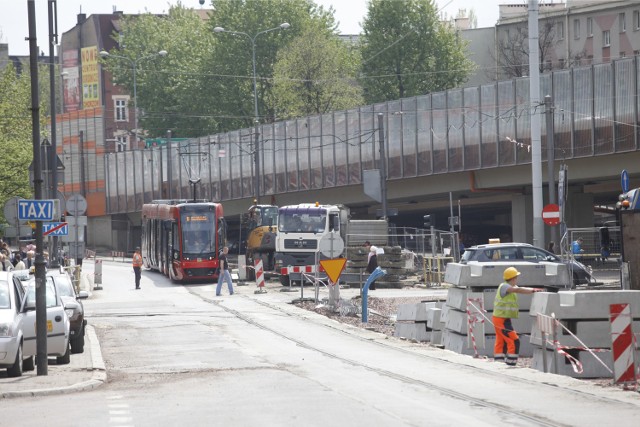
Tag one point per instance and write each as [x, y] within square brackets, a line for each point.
[333, 268]
[55, 229]
[35, 210]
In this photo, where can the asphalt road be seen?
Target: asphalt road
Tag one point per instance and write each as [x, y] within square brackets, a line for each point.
[179, 355]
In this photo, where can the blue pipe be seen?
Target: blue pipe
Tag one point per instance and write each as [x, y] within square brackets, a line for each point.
[378, 272]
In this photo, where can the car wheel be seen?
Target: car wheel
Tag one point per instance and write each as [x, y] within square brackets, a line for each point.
[65, 359]
[15, 370]
[77, 343]
[28, 364]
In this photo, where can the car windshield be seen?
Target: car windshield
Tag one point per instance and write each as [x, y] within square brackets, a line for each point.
[5, 300]
[64, 285]
[302, 220]
[50, 292]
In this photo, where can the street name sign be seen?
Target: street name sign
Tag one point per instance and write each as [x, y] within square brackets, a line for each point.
[35, 210]
[55, 229]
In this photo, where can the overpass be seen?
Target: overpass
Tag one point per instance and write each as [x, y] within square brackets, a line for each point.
[473, 142]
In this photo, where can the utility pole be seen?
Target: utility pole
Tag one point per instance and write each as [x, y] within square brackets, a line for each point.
[548, 104]
[53, 154]
[383, 166]
[41, 296]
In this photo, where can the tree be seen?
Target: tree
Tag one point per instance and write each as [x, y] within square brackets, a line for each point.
[512, 50]
[168, 87]
[15, 134]
[228, 69]
[314, 75]
[406, 51]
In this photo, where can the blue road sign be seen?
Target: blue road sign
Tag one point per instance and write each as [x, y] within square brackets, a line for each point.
[624, 179]
[55, 229]
[35, 210]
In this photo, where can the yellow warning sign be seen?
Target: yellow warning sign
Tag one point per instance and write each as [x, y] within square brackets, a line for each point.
[333, 268]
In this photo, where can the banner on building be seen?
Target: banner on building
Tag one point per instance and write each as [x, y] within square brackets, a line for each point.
[90, 78]
[70, 80]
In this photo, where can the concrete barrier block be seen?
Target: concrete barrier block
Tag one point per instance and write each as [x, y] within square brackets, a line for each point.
[444, 313]
[595, 304]
[433, 319]
[457, 298]
[414, 312]
[592, 368]
[457, 321]
[460, 344]
[594, 334]
[545, 303]
[414, 331]
[489, 274]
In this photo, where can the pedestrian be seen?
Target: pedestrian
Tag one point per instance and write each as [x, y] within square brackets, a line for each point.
[552, 247]
[30, 261]
[5, 264]
[137, 266]
[576, 248]
[19, 263]
[372, 264]
[505, 308]
[223, 272]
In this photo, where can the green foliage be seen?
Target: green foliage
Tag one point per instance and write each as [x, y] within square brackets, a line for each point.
[168, 88]
[406, 51]
[316, 74]
[228, 70]
[15, 134]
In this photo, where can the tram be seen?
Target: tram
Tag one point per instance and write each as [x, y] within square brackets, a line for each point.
[183, 239]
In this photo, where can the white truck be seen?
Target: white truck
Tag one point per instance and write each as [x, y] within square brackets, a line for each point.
[308, 230]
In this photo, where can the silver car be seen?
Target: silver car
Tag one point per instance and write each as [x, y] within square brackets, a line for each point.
[12, 321]
[58, 324]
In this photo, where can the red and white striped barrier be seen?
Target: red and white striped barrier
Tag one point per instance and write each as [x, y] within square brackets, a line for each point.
[474, 315]
[298, 269]
[259, 273]
[622, 344]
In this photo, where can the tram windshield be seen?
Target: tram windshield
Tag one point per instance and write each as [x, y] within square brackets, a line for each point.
[198, 232]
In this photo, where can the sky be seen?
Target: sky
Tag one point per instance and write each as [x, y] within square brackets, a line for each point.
[349, 13]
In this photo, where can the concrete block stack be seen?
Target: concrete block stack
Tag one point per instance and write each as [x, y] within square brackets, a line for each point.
[586, 315]
[480, 282]
[393, 261]
[413, 322]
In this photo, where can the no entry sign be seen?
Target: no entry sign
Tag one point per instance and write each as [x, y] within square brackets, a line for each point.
[551, 214]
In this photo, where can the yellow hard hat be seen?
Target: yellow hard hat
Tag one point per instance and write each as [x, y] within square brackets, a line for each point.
[510, 273]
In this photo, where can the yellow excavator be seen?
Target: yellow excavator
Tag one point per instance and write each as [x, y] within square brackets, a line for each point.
[262, 226]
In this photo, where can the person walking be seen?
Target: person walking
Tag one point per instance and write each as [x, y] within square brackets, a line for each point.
[19, 263]
[505, 308]
[137, 266]
[223, 273]
[576, 248]
[372, 264]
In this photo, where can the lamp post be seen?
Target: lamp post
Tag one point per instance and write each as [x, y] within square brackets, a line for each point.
[256, 119]
[134, 65]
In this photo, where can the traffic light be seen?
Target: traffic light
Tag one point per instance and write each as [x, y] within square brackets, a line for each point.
[429, 221]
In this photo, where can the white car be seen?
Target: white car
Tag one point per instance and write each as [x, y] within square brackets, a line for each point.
[58, 324]
[12, 320]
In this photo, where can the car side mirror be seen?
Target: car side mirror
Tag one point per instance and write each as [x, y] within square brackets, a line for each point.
[83, 295]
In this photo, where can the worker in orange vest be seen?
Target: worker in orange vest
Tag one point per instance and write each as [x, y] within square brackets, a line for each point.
[137, 266]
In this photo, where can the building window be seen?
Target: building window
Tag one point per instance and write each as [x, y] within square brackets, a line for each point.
[120, 109]
[606, 38]
[636, 20]
[122, 143]
[623, 22]
[576, 28]
[560, 26]
[623, 54]
[636, 52]
[589, 27]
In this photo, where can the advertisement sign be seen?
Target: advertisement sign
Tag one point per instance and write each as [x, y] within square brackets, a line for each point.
[70, 80]
[90, 77]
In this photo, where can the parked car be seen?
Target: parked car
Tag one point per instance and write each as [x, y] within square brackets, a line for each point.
[12, 321]
[508, 252]
[73, 306]
[58, 324]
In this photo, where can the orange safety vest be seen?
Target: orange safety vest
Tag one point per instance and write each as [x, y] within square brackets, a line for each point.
[137, 260]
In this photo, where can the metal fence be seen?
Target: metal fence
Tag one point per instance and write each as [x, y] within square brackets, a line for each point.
[600, 247]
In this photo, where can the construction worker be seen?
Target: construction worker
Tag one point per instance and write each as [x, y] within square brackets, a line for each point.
[505, 308]
[137, 266]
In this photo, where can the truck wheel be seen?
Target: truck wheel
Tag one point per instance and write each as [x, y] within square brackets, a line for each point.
[251, 273]
[284, 280]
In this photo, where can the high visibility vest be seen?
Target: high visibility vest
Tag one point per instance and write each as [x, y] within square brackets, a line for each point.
[506, 307]
[137, 260]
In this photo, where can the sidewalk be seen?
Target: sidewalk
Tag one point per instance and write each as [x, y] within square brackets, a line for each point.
[85, 372]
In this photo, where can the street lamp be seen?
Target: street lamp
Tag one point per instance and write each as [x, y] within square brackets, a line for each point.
[134, 64]
[256, 119]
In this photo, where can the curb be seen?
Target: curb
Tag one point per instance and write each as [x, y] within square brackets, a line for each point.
[98, 378]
